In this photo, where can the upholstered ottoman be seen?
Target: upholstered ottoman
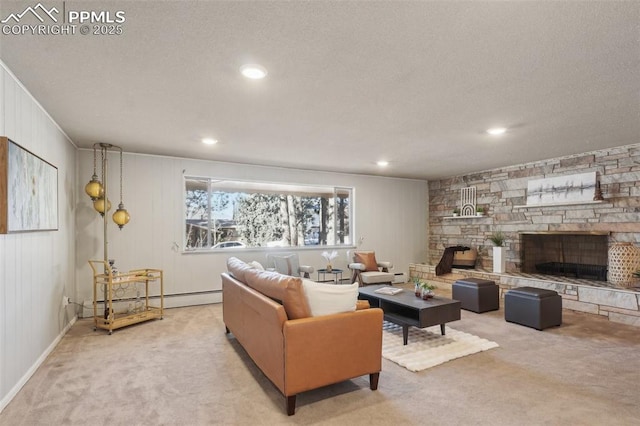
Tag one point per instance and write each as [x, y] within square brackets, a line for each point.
[476, 295]
[533, 307]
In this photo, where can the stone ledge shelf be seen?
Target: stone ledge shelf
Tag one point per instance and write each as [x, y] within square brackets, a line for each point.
[568, 203]
[465, 217]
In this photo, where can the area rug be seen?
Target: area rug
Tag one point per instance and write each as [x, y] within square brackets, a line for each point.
[427, 347]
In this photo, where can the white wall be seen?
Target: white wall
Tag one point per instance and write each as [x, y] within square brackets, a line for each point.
[391, 215]
[36, 268]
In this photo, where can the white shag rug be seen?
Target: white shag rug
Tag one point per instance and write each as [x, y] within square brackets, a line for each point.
[427, 347]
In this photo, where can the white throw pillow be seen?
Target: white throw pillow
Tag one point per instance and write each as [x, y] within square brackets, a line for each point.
[287, 265]
[326, 299]
[257, 265]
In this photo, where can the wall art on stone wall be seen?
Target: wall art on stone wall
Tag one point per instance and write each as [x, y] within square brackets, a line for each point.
[28, 190]
[468, 201]
[562, 189]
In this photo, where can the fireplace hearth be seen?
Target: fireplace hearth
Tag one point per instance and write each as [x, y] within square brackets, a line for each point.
[569, 254]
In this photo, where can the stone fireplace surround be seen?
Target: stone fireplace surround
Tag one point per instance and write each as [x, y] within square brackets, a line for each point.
[502, 194]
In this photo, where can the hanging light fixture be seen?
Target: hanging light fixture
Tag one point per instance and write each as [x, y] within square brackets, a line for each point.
[99, 206]
[98, 191]
[121, 216]
[94, 188]
[99, 203]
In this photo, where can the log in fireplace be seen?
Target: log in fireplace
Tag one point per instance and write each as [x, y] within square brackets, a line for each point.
[572, 254]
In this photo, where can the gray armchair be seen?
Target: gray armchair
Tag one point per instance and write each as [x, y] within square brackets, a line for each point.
[367, 270]
[288, 264]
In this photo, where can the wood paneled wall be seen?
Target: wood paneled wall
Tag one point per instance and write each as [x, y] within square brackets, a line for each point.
[391, 217]
[36, 268]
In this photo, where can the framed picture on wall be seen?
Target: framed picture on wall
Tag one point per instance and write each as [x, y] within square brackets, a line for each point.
[562, 189]
[28, 190]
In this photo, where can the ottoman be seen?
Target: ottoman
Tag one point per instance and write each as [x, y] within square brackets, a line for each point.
[533, 307]
[476, 295]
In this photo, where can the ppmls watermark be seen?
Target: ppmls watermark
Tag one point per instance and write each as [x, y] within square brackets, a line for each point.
[62, 20]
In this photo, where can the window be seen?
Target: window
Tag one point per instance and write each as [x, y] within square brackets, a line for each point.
[225, 214]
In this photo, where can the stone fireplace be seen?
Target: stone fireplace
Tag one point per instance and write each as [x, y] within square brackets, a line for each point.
[571, 254]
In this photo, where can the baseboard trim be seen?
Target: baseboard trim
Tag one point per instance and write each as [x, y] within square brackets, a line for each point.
[170, 301]
[25, 378]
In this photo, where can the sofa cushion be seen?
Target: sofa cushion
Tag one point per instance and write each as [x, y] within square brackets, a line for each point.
[362, 304]
[237, 268]
[377, 277]
[368, 259]
[283, 288]
[326, 299]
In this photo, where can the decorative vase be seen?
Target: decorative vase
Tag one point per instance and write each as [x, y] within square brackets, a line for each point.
[329, 268]
[418, 291]
[499, 260]
[624, 260]
[427, 294]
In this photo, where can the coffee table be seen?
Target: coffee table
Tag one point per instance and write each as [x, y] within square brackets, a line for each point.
[407, 310]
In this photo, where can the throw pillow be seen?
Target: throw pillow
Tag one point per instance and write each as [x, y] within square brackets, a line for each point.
[256, 265]
[287, 265]
[327, 299]
[238, 268]
[368, 259]
[285, 289]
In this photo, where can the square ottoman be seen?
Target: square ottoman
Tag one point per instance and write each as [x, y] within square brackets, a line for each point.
[533, 307]
[476, 295]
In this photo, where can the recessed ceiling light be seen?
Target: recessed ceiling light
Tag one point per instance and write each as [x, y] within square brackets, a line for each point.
[253, 71]
[497, 131]
[382, 163]
[209, 141]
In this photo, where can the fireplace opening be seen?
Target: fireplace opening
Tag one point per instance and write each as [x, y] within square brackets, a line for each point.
[579, 255]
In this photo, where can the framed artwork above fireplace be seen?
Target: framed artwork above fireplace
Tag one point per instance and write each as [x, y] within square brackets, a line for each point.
[568, 189]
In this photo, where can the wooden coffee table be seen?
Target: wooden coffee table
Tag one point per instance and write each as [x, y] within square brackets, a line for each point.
[407, 310]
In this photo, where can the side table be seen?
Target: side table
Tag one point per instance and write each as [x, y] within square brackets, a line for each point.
[138, 281]
[337, 275]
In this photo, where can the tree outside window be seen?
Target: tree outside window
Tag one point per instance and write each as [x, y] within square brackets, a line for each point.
[233, 214]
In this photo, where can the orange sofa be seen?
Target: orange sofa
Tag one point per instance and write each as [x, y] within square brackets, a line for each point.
[269, 315]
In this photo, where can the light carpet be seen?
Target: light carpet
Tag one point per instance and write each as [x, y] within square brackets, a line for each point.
[427, 347]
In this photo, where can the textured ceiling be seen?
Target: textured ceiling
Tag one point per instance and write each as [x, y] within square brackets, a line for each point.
[350, 83]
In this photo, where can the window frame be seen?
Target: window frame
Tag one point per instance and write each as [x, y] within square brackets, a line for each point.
[335, 190]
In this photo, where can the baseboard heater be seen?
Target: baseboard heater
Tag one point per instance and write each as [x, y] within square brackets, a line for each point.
[170, 301]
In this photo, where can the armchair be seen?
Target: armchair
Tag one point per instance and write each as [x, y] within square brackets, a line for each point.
[288, 264]
[367, 270]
